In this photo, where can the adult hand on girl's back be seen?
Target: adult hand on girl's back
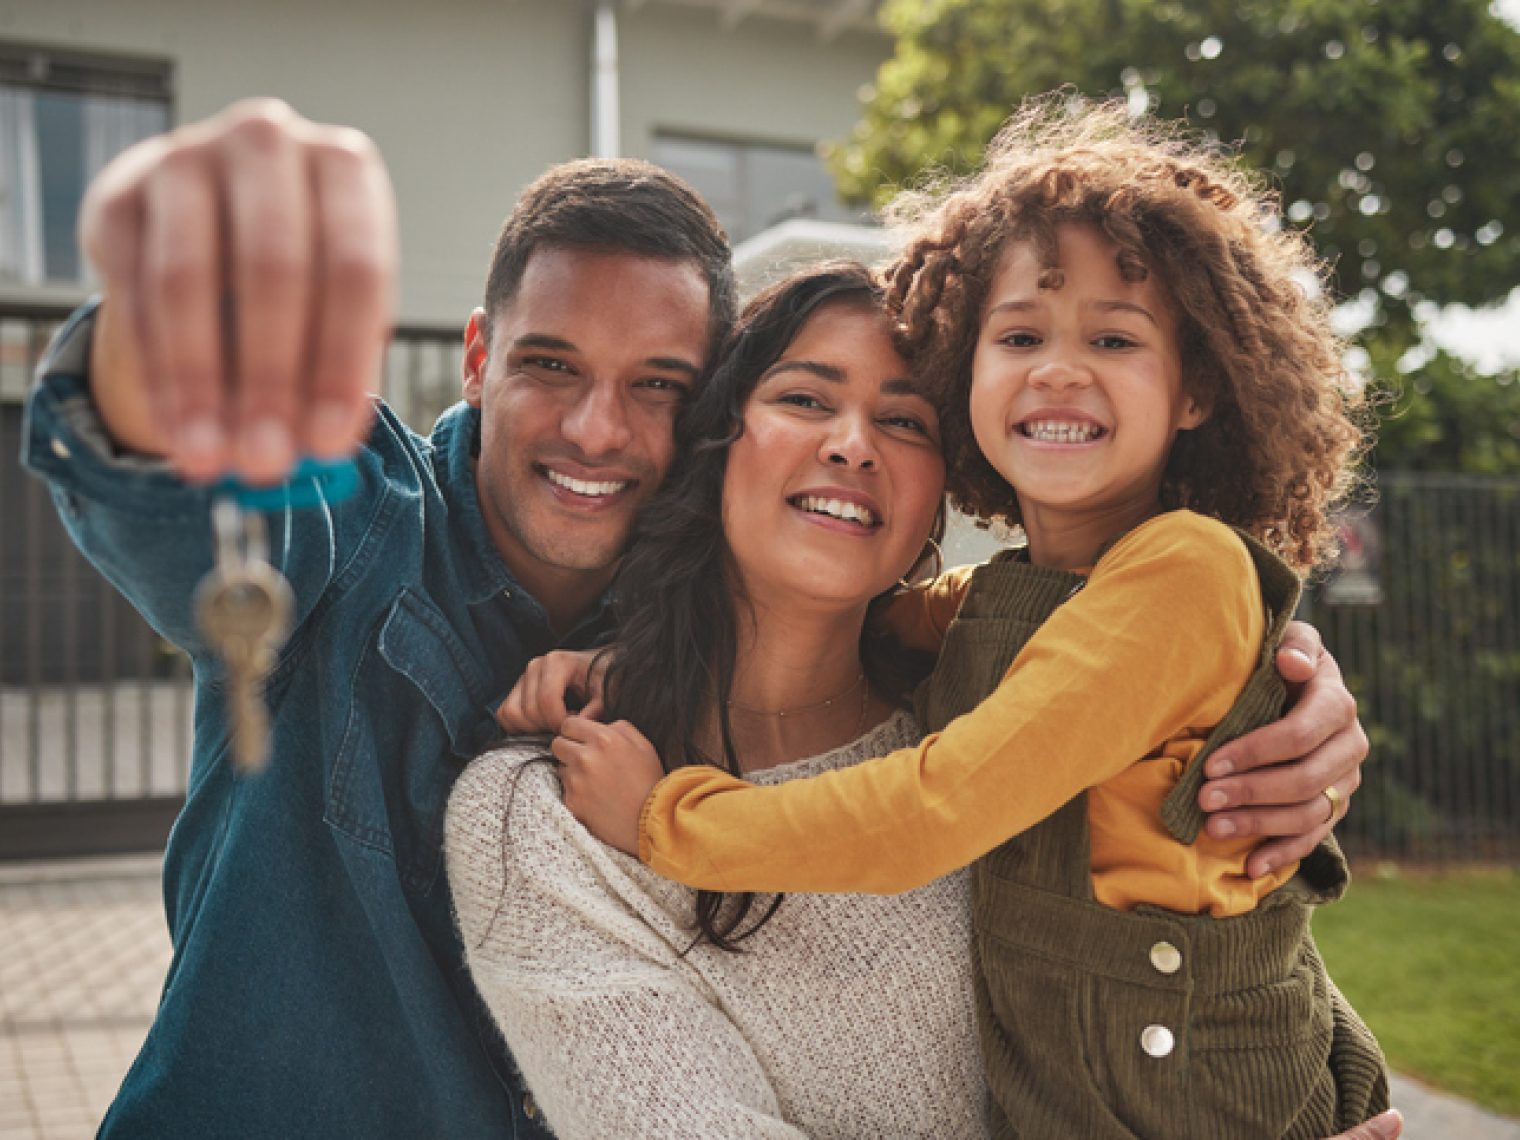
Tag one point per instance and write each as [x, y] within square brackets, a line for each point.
[607, 772]
[1272, 782]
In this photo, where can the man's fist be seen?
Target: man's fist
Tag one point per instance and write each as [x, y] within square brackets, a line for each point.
[249, 267]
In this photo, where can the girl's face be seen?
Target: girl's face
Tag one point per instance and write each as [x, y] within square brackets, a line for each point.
[833, 486]
[1076, 392]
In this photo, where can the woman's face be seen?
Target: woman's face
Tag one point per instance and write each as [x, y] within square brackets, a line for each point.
[833, 486]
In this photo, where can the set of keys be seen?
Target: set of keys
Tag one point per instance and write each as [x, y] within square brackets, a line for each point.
[245, 607]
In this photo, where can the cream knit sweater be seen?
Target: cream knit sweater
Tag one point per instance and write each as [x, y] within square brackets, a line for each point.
[845, 1016]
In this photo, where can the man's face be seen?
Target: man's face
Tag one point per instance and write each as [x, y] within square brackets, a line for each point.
[587, 366]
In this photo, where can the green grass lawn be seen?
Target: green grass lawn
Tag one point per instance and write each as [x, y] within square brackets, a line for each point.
[1432, 962]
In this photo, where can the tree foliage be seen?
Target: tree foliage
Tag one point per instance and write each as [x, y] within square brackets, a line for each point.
[1387, 126]
[1442, 415]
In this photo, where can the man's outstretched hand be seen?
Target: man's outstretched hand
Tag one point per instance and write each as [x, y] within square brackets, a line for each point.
[249, 265]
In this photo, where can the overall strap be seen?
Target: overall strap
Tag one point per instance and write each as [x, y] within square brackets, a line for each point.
[1007, 601]
[1322, 874]
[1260, 702]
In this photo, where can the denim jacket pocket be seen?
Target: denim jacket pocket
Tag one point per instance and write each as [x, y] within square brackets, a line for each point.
[416, 748]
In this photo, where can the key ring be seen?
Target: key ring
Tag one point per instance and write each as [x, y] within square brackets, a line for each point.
[241, 537]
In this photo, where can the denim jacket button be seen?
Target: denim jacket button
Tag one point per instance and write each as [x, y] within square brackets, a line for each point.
[530, 1106]
[61, 449]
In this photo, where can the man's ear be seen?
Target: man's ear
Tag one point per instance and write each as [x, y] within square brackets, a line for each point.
[475, 357]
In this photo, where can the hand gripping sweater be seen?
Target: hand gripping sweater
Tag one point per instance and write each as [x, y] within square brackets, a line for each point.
[844, 1016]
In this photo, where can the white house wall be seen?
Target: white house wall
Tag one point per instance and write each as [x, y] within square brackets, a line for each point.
[765, 81]
[470, 99]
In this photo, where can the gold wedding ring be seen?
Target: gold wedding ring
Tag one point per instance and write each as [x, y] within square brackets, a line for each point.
[1335, 802]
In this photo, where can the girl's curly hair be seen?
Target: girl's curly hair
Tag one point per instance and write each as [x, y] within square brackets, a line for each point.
[1275, 455]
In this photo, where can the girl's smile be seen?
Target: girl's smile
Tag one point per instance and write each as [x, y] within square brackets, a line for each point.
[1060, 427]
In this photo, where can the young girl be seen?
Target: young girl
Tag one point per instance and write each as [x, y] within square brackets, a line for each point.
[1137, 376]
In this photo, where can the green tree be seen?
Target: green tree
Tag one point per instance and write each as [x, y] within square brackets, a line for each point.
[1439, 414]
[1388, 127]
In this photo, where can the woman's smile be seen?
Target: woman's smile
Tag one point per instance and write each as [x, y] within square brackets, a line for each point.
[846, 511]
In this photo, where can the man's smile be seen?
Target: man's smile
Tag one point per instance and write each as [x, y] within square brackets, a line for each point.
[587, 488]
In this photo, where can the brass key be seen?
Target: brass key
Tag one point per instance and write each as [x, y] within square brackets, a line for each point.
[244, 608]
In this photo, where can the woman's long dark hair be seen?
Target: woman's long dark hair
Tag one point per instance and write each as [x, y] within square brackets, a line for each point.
[677, 613]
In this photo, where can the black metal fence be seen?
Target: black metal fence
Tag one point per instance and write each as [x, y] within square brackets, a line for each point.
[1433, 655]
[95, 710]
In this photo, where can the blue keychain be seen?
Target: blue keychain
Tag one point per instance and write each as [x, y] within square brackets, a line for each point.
[244, 606]
[313, 481]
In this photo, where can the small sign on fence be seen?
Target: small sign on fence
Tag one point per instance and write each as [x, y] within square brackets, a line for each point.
[1356, 580]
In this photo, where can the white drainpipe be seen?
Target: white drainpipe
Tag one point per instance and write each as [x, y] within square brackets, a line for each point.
[605, 136]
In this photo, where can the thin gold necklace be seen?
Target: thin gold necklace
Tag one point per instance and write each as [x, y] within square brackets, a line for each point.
[781, 714]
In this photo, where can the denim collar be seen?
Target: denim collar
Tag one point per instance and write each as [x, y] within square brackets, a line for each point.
[456, 438]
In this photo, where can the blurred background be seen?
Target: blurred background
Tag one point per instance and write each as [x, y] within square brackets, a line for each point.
[1389, 128]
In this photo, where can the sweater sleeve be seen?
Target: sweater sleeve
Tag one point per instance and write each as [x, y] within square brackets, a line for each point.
[610, 1038]
[1161, 640]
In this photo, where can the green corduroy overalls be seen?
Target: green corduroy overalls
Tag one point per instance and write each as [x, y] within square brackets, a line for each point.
[1098, 1023]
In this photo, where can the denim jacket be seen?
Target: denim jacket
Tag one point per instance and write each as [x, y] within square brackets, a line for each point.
[317, 986]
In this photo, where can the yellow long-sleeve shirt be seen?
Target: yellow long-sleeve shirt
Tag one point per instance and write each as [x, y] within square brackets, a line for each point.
[1115, 694]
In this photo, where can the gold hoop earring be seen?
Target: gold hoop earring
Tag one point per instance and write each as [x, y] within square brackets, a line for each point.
[939, 563]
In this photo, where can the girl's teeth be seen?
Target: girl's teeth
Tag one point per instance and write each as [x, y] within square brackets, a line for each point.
[837, 508]
[1053, 431]
[581, 487]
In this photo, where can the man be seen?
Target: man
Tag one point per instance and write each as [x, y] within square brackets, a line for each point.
[317, 987]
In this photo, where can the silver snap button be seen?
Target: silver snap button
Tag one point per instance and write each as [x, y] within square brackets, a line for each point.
[61, 449]
[1157, 1040]
[1166, 958]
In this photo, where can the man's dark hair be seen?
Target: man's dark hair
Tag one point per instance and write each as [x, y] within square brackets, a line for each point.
[620, 205]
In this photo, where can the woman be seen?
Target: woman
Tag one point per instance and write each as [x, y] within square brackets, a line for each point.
[636, 1007]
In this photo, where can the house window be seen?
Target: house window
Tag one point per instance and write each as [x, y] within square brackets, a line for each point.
[63, 116]
[753, 186]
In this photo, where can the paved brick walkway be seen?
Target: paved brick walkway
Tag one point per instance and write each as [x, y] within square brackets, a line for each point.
[83, 952]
